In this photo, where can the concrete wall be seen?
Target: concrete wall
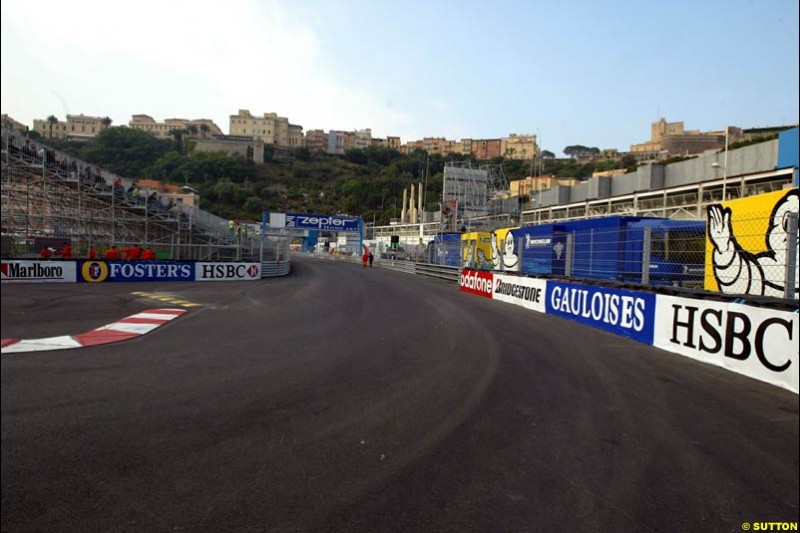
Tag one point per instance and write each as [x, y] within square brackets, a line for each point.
[761, 157]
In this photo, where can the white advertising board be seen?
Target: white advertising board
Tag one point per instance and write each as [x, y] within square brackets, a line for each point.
[14, 271]
[517, 290]
[755, 341]
[227, 271]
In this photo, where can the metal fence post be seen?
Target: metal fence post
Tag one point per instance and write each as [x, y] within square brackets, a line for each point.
[570, 251]
[646, 245]
[791, 258]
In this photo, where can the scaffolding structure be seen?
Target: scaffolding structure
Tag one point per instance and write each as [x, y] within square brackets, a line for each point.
[49, 196]
[474, 195]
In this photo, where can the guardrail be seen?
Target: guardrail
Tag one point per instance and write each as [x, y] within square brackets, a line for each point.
[447, 273]
[271, 269]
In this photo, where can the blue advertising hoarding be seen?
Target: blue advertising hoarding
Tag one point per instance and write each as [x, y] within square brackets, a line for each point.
[100, 271]
[788, 141]
[322, 222]
[627, 313]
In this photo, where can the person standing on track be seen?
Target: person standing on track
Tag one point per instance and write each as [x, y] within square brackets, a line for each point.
[112, 254]
[66, 251]
[371, 258]
[133, 253]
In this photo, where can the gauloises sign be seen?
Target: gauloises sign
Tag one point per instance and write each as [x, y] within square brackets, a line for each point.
[476, 282]
[622, 312]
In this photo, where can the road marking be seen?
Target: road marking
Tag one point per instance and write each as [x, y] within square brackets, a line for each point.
[168, 299]
[127, 328]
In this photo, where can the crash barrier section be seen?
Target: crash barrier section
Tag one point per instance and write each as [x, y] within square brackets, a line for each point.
[758, 342]
[743, 246]
[99, 271]
[448, 273]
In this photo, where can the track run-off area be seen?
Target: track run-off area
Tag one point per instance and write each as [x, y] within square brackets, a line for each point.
[348, 399]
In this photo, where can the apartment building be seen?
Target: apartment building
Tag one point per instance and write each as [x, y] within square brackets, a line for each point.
[317, 140]
[519, 147]
[533, 184]
[484, 149]
[296, 139]
[179, 195]
[393, 142]
[336, 142]
[363, 138]
[13, 124]
[672, 139]
[75, 128]
[204, 127]
[269, 128]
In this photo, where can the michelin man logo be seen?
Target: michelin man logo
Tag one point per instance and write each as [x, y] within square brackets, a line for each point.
[738, 271]
[505, 259]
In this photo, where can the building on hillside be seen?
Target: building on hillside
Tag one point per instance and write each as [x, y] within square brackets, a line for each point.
[245, 146]
[336, 142]
[75, 128]
[671, 139]
[180, 195]
[349, 140]
[485, 149]
[363, 138]
[610, 153]
[393, 143]
[375, 141]
[13, 124]
[519, 147]
[317, 141]
[296, 139]
[269, 128]
[163, 130]
[533, 184]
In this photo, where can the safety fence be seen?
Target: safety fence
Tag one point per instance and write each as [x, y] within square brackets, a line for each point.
[759, 342]
[48, 195]
[100, 271]
[444, 272]
[742, 249]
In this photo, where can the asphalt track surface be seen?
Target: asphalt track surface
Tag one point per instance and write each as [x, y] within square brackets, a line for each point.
[344, 399]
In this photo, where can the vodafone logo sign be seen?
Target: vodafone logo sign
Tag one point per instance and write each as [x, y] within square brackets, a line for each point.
[477, 282]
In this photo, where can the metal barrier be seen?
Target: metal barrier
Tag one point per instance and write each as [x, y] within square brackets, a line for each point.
[271, 269]
[448, 273]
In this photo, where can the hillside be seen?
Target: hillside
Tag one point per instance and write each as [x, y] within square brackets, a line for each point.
[368, 182]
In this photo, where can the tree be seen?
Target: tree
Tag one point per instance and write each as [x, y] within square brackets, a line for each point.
[192, 130]
[547, 154]
[579, 150]
[204, 128]
[124, 151]
[52, 120]
[177, 134]
[106, 121]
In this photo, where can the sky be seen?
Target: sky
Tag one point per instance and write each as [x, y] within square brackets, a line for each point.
[595, 73]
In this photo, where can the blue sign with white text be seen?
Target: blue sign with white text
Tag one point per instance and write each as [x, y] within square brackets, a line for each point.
[100, 271]
[322, 222]
[627, 313]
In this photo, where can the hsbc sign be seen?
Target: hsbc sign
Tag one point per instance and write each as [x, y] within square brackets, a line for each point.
[227, 271]
[321, 222]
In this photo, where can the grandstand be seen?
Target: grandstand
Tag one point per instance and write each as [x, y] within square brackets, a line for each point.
[50, 197]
